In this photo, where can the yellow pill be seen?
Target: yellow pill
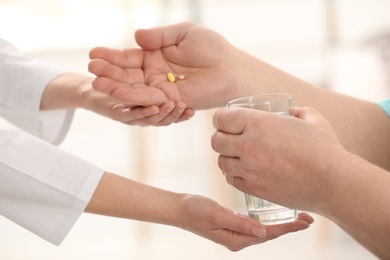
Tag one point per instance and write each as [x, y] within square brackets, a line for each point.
[171, 77]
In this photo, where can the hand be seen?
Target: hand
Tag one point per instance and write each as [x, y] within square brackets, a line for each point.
[71, 90]
[138, 76]
[287, 160]
[200, 215]
[106, 105]
[208, 219]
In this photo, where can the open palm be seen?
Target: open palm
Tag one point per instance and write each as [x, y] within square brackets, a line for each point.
[138, 76]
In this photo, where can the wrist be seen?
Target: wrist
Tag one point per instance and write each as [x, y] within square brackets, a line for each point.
[80, 88]
[251, 76]
[248, 69]
[183, 216]
[259, 77]
[65, 92]
[338, 176]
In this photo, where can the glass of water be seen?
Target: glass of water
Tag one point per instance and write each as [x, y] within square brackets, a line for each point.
[266, 212]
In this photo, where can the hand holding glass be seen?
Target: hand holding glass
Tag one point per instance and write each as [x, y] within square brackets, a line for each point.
[266, 212]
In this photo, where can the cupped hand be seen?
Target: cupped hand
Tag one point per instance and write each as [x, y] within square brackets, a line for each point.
[234, 231]
[107, 106]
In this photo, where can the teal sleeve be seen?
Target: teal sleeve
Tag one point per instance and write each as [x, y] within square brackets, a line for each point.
[385, 105]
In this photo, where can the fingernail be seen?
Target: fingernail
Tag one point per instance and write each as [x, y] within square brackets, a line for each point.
[181, 109]
[156, 111]
[126, 110]
[259, 231]
[170, 108]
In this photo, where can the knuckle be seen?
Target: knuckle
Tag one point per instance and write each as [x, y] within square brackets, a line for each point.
[213, 140]
[220, 162]
[216, 140]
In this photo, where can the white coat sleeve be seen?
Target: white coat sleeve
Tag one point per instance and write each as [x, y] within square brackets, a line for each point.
[42, 188]
[22, 82]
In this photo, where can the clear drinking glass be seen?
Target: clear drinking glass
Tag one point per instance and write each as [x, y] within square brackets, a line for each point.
[266, 212]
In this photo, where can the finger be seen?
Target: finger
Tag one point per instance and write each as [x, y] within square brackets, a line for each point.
[274, 231]
[236, 181]
[306, 217]
[232, 120]
[295, 111]
[107, 85]
[102, 68]
[134, 95]
[130, 114]
[229, 165]
[174, 115]
[187, 114]
[128, 58]
[163, 36]
[244, 225]
[225, 144]
[169, 88]
[312, 116]
[305, 113]
[156, 119]
[251, 232]
[139, 96]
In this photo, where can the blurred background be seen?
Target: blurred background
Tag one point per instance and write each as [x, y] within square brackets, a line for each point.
[338, 44]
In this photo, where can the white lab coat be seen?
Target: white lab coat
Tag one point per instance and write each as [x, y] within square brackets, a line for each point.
[42, 188]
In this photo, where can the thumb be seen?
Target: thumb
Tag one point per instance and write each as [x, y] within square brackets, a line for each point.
[162, 36]
[308, 114]
[311, 115]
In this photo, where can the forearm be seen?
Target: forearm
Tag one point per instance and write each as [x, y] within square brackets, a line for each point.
[64, 91]
[359, 203]
[361, 126]
[117, 196]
